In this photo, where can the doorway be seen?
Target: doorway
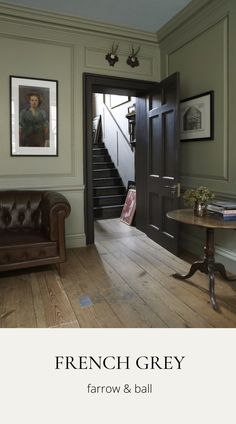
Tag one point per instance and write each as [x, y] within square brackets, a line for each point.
[157, 152]
[113, 154]
[116, 86]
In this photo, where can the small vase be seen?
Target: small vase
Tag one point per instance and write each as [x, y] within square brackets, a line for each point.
[199, 209]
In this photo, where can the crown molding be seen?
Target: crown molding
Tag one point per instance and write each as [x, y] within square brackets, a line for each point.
[183, 16]
[58, 20]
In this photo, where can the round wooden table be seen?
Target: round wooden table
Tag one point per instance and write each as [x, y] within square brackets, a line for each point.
[208, 264]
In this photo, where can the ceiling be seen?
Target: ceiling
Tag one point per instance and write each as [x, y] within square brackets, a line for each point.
[147, 15]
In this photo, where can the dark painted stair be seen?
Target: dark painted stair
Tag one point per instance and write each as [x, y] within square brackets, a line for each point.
[108, 190]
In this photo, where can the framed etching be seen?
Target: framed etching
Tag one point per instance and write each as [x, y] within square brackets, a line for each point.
[34, 116]
[129, 208]
[196, 117]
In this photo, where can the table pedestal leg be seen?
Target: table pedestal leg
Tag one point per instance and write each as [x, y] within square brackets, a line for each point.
[221, 269]
[207, 266]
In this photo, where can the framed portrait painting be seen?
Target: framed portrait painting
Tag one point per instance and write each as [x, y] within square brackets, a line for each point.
[196, 117]
[33, 109]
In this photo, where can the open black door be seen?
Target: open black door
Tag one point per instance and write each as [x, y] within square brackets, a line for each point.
[158, 157]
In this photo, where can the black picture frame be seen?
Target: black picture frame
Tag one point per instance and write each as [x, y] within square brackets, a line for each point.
[33, 116]
[197, 117]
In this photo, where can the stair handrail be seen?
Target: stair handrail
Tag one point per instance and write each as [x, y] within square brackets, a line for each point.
[96, 128]
[114, 119]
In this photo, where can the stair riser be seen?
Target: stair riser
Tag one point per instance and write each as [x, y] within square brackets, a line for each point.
[110, 200]
[103, 182]
[105, 158]
[105, 173]
[98, 145]
[100, 152]
[109, 191]
[103, 165]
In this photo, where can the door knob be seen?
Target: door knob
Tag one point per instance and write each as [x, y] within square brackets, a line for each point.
[174, 190]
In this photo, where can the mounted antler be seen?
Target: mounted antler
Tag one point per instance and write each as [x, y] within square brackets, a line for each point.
[132, 59]
[114, 48]
[112, 57]
[135, 54]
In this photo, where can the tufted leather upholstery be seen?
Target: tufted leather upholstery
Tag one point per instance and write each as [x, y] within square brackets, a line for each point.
[32, 228]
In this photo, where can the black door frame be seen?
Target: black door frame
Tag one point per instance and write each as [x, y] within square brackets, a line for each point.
[93, 83]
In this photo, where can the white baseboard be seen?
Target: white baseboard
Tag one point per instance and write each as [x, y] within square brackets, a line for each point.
[75, 240]
[195, 245]
[227, 257]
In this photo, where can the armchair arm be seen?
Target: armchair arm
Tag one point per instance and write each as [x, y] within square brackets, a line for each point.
[55, 208]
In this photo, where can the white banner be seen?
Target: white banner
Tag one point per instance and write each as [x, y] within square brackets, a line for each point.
[117, 376]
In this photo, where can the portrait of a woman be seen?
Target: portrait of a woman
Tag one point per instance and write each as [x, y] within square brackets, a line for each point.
[33, 122]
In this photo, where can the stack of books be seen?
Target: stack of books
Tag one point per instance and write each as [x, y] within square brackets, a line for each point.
[225, 210]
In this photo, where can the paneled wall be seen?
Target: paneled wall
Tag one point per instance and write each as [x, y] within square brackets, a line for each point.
[46, 45]
[203, 50]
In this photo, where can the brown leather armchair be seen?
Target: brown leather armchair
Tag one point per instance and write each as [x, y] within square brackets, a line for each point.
[32, 228]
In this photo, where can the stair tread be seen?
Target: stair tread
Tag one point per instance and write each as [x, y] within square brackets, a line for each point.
[109, 195]
[106, 178]
[102, 187]
[98, 149]
[108, 206]
[105, 169]
[101, 163]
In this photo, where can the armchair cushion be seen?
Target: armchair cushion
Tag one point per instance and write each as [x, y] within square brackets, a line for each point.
[32, 228]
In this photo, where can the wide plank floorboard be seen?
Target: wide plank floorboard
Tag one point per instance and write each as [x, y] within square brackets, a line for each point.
[124, 280]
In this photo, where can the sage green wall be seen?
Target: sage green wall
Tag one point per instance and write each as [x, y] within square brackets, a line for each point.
[46, 45]
[203, 50]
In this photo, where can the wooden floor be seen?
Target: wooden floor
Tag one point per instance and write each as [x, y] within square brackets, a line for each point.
[124, 280]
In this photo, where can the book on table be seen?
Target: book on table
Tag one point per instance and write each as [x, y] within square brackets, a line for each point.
[227, 205]
[223, 209]
[224, 217]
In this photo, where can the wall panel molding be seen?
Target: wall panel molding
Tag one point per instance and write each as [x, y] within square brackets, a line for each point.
[221, 25]
[62, 47]
[60, 21]
[194, 17]
[38, 184]
[95, 57]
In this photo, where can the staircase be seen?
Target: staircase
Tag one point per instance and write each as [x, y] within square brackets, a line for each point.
[109, 192]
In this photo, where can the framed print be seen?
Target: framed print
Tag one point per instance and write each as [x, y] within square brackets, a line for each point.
[196, 117]
[132, 109]
[33, 109]
[129, 208]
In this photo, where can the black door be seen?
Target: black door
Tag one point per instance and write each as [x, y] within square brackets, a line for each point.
[157, 162]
